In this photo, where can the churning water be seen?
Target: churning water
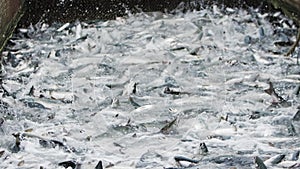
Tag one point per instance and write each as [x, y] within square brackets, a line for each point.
[202, 89]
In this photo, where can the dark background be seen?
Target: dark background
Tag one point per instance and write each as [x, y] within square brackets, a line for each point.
[50, 11]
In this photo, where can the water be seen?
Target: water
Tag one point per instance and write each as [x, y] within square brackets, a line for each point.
[136, 92]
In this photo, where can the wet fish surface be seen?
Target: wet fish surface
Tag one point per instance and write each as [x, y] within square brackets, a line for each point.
[206, 88]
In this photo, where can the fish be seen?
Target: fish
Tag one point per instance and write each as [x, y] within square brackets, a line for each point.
[277, 99]
[63, 27]
[275, 159]
[68, 164]
[21, 163]
[133, 103]
[78, 31]
[99, 165]
[134, 88]
[1, 121]
[296, 117]
[31, 91]
[203, 148]
[295, 155]
[182, 158]
[261, 32]
[291, 129]
[1, 153]
[259, 163]
[115, 102]
[296, 122]
[167, 90]
[33, 104]
[296, 90]
[16, 147]
[130, 88]
[45, 142]
[166, 129]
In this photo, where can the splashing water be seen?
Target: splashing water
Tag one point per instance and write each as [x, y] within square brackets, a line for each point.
[138, 91]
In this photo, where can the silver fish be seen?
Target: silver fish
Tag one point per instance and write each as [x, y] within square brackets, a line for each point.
[66, 25]
[259, 163]
[167, 127]
[295, 155]
[275, 159]
[203, 148]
